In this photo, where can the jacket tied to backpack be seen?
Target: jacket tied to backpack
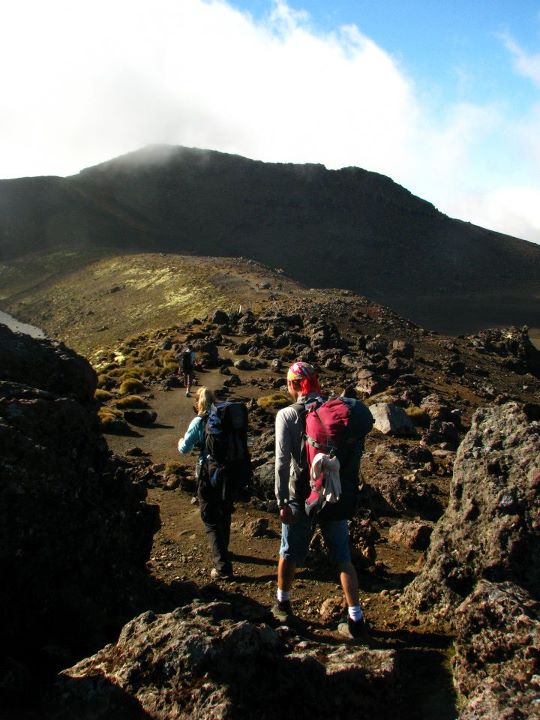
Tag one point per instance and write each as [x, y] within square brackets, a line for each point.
[324, 477]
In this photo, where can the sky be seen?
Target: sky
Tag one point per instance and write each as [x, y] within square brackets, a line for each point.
[443, 96]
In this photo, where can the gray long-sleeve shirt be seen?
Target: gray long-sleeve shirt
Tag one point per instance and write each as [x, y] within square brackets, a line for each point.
[289, 431]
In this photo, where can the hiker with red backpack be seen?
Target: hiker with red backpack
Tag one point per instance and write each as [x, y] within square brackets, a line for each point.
[223, 470]
[318, 449]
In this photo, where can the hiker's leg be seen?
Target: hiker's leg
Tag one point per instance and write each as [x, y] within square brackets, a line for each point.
[213, 526]
[336, 537]
[349, 582]
[285, 573]
[223, 537]
[294, 547]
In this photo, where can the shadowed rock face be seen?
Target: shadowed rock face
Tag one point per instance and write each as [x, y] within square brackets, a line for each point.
[490, 527]
[75, 533]
[496, 666]
[45, 365]
[197, 662]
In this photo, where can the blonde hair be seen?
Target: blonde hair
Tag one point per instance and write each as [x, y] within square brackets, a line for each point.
[205, 397]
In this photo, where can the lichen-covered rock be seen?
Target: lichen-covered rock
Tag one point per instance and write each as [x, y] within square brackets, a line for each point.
[75, 532]
[391, 419]
[490, 528]
[497, 661]
[199, 662]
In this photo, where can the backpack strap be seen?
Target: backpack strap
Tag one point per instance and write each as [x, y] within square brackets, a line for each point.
[302, 411]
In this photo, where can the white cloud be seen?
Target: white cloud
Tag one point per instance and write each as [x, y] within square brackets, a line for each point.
[525, 64]
[87, 82]
[511, 210]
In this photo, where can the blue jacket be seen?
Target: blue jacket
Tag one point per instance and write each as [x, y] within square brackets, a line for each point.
[194, 437]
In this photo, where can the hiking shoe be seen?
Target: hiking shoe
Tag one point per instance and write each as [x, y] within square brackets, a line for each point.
[216, 574]
[187, 393]
[355, 630]
[282, 611]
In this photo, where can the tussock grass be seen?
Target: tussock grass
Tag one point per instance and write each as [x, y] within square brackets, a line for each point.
[168, 356]
[103, 395]
[106, 382]
[112, 420]
[131, 401]
[286, 353]
[171, 367]
[149, 371]
[276, 401]
[418, 416]
[130, 386]
[131, 374]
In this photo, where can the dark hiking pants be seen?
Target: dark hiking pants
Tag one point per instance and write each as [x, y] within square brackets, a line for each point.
[216, 517]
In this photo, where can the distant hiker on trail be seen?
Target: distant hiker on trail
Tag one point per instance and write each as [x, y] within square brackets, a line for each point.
[223, 470]
[316, 481]
[188, 367]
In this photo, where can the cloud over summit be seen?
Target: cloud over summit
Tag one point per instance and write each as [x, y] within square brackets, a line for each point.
[90, 81]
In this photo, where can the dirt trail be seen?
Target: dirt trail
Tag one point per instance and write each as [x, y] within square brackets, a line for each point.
[180, 556]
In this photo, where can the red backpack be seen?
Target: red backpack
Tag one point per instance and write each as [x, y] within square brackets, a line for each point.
[333, 429]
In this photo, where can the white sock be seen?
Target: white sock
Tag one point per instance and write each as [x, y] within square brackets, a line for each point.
[355, 613]
[283, 595]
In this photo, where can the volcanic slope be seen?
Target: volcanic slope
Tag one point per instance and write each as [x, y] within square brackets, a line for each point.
[347, 228]
[110, 298]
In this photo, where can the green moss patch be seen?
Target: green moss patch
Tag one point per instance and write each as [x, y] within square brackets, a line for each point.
[276, 401]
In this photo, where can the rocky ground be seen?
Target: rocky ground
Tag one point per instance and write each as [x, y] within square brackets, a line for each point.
[435, 383]
[424, 390]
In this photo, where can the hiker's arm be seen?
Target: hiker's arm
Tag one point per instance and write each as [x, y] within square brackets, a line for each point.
[283, 459]
[192, 436]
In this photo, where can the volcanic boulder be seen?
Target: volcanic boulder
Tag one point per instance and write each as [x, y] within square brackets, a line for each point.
[391, 419]
[201, 662]
[496, 666]
[490, 527]
[75, 532]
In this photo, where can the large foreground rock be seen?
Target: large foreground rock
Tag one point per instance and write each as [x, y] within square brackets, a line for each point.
[497, 661]
[199, 663]
[75, 532]
[490, 528]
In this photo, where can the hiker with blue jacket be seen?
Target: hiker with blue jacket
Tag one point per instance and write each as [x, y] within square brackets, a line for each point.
[299, 508]
[215, 510]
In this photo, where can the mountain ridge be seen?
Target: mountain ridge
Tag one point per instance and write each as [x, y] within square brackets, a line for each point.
[347, 228]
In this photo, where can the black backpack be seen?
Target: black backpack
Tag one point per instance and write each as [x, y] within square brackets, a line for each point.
[228, 461]
[187, 361]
